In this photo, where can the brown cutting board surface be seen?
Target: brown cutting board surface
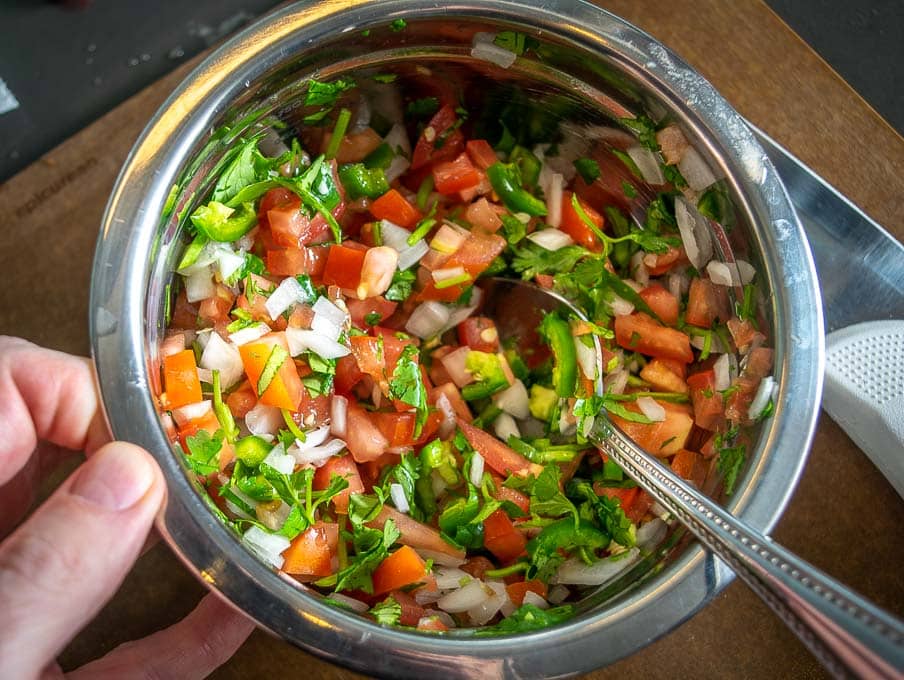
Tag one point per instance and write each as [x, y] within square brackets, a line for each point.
[844, 515]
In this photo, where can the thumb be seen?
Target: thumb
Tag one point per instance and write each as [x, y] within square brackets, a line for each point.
[67, 560]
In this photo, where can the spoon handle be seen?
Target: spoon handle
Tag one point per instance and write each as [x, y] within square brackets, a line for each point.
[848, 634]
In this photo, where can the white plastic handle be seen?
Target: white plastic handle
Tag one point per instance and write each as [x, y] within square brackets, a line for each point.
[864, 391]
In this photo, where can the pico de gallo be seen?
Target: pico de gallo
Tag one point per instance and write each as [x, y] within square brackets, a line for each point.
[330, 380]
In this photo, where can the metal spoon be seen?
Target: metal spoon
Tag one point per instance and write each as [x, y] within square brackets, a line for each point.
[848, 634]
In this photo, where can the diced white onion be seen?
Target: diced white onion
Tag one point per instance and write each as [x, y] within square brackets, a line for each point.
[411, 255]
[447, 239]
[393, 235]
[651, 534]
[648, 164]
[459, 314]
[441, 559]
[249, 334]
[454, 363]
[447, 427]
[514, 399]
[286, 294]
[330, 312]
[397, 493]
[695, 170]
[745, 271]
[428, 319]
[551, 239]
[273, 519]
[695, 234]
[639, 269]
[338, 415]
[265, 545]
[476, 472]
[679, 283]
[228, 263]
[620, 306]
[440, 275]
[558, 594]
[313, 438]
[721, 371]
[484, 48]
[505, 426]
[530, 597]
[317, 455]
[450, 578]
[554, 200]
[301, 340]
[263, 419]
[187, 413]
[219, 355]
[205, 375]
[280, 461]
[719, 273]
[397, 167]
[467, 597]
[397, 139]
[616, 381]
[587, 359]
[574, 572]
[715, 345]
[761, 399]
[199, 286]
[350, 602]
[486, 610]
[172, 345]
[651, 409]
[426, 596]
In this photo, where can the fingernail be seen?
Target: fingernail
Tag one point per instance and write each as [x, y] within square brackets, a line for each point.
[115, 478]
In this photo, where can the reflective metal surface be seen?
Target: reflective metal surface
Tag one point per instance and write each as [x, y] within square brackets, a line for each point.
[593, 59]
[859, 264]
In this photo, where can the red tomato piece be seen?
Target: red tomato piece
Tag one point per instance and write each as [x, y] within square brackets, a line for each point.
[396, 208]
[340, 466]
[662, 302]
[474, 256]
[659, 438]
[295, 261]
[640, 333]
[402, 568]
[450, 177]
[378, 305]
[708, 403]
[414, 533]
[363, 437]
[501, 537]
[574, 226]
[479, 332]
[497, 455]
[689, 465]
[285, 389]
[311, 552]
[441, 140]
[343, 267]
[516, 591]
[481, 153]
[180, 378]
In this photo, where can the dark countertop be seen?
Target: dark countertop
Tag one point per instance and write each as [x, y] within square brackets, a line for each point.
[93, 54]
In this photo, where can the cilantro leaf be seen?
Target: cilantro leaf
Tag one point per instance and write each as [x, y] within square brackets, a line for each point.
[588, 169]
[731, 460]
[529, 617]
[407, 385]
[387, 613]
[564, 535]
[203, 450]
[239, 173]
[513, 228]
[547, 498]
[515, 42]
[325, 95]
[645, 130]
[532, 259]
[371, 548]
[400, 288]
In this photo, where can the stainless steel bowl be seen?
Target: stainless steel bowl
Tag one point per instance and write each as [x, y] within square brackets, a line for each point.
[603, 68]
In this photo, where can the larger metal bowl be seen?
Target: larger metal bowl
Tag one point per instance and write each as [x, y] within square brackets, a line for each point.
[605, 68]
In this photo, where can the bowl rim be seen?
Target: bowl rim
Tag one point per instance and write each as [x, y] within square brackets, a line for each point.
[117, 329]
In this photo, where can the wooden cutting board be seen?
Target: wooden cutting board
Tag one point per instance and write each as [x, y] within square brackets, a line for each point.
[844, 516]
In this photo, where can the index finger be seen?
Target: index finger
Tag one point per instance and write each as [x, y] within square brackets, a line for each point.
[46, 395]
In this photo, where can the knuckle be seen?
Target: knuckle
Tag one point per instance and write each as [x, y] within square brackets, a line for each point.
[30, 562]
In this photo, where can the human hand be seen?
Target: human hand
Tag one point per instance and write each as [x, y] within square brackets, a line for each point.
[60, 566]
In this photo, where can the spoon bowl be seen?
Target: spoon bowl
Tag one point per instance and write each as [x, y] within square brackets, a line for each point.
[848, 634]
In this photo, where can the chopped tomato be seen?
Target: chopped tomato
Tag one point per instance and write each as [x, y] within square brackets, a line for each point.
[481, 153]
[659, 438]
[708, 404]
[501, 458]
[343, 267]
[441, 139]
[660, 376]
[479, 332]
[311, 552]
[414, 533]
[659, 263]
[576, 228]
[450, 177]
[484, 215]
[640, 333]
[451, 392]
[501, 537]
[215, 309]
[363, 437]
[208, 422]
[706, 303]
[285, 389]
[474, 256]
[354, 146]
[396, 208]
[662, 302]
[516, 591]
[370, 311]
[241, 400]
[295, 261]
[339, 466]
[402, 568]
[504, 493]
[180, 379]
[412, 612]
[689, 465]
